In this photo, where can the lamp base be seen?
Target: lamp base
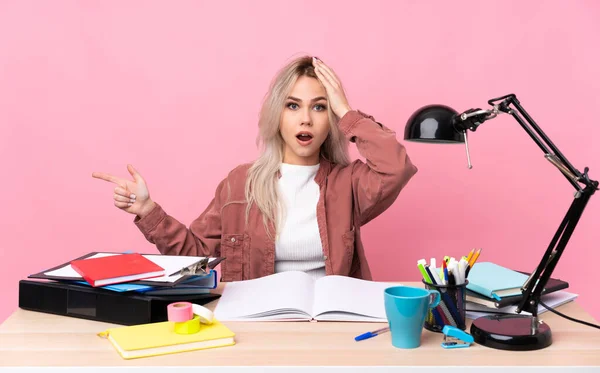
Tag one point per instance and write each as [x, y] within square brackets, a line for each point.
[511, 332]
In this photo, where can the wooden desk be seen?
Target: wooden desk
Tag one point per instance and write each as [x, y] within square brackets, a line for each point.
[37, 339]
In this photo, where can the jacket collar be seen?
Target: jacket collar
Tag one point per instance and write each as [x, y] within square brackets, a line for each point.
[324, 168]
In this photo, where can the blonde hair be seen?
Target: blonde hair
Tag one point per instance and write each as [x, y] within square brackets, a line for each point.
[261, 182]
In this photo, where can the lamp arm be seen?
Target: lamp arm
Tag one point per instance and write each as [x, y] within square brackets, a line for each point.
[550, 150]
[534, 286]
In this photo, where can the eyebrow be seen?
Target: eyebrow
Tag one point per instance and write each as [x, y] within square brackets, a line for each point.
[313, 100]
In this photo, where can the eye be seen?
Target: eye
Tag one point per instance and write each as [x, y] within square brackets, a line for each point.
[320, 107]
[292, 105]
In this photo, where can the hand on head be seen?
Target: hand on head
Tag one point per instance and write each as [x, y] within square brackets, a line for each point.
[335, 93]
[131, 196]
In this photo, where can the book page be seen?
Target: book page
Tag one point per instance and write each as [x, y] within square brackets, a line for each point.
[342, 298]
[285, 295]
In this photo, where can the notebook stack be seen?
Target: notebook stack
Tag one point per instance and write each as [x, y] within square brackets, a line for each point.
[494, 289]
[138, 291]
[141, 273]
[108, 287]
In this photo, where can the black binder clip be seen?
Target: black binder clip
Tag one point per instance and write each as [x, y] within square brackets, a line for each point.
[196, 269]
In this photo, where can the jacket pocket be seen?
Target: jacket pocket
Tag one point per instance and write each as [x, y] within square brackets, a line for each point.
[349, 238]
[232, 249]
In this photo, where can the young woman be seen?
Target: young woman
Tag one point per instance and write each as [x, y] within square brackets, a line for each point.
[301, 204]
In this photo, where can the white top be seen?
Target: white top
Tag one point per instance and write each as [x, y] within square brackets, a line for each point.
[298, 246]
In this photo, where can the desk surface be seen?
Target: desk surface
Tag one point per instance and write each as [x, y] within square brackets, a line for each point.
[38, 339]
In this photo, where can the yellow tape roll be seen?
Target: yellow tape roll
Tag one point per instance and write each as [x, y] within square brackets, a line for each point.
[188, 327]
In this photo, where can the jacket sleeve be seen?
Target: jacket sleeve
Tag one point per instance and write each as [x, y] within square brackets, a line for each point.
[171, 237]
[377, 183]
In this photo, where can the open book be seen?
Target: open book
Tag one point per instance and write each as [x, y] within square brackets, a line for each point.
[295, 295]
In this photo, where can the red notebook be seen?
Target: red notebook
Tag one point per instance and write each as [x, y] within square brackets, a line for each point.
[116, 269]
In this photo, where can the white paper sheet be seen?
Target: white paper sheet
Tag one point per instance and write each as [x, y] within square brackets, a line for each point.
[346, 298]
[282, 295]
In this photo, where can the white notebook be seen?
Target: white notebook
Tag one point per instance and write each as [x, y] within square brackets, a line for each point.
[294, 296]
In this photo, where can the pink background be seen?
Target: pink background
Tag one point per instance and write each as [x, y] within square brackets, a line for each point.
[175, 87]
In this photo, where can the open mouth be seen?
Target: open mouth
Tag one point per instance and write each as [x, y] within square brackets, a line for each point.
[304, 136]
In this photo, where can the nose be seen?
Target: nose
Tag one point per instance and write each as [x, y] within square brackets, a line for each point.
[306, 118]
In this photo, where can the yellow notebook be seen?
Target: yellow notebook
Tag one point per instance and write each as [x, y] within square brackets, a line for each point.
[159, 339]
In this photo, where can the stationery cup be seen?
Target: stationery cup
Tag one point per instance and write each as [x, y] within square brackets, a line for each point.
[450, 310]
[406, 308]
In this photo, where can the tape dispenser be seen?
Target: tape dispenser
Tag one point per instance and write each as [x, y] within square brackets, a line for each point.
[187, 317]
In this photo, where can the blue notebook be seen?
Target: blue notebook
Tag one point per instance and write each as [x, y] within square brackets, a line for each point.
[495, 281]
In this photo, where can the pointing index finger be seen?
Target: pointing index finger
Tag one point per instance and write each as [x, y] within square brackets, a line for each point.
[109, 178]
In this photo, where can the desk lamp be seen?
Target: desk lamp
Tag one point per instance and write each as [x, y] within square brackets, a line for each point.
[442, 124]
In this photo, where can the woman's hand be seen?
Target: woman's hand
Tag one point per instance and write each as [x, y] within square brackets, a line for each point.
[335, 92]
[131, 196]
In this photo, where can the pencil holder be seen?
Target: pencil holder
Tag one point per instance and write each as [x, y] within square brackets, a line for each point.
[451, 310]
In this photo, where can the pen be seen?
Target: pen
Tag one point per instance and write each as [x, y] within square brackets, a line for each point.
[462, 269]
[453, 270]
[473, 260]
[470, 255]
[436, 278]
[430, 274]
[476, 256]
[445, 273]
[423, 272]
[434, 311]
[432, 281]
[442, 273]
[451, 278]
[374, 333]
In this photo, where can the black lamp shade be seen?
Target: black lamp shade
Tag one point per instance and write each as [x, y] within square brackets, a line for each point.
[435, 124]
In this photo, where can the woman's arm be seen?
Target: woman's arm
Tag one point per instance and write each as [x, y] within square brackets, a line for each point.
[388, 168]
[377, 183]
[173, 238]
